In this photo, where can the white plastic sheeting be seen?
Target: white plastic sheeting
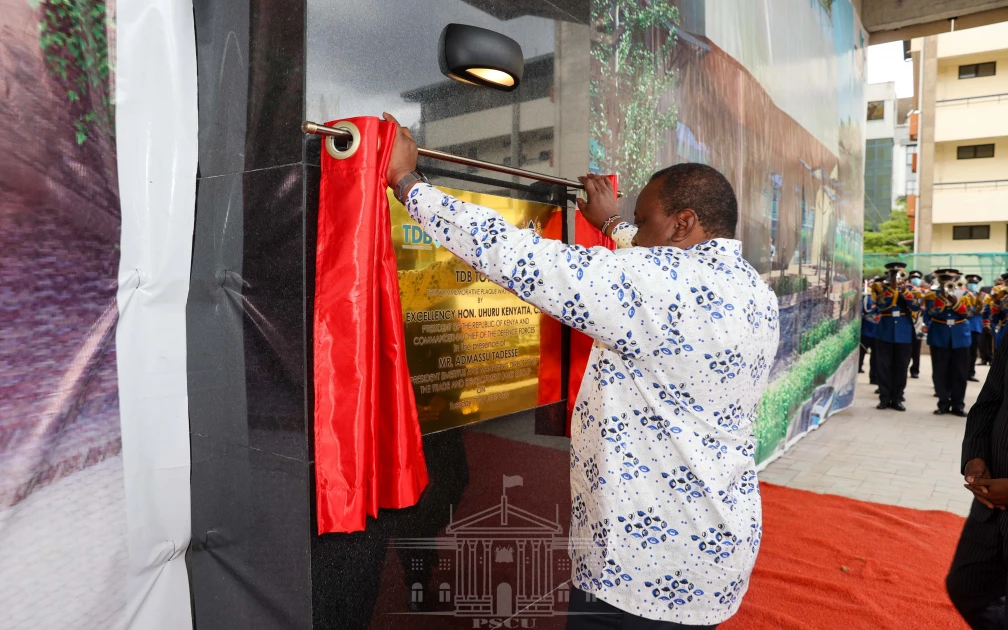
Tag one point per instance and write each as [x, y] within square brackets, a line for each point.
[156, 124]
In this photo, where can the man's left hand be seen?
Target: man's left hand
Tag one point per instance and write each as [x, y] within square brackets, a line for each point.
[991, 492]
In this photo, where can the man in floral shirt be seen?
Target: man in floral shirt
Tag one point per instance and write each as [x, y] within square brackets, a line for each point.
[666, 519]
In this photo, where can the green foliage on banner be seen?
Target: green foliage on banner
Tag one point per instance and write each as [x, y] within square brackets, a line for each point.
[75, 45]
[788, 285]
[785, 396]
[633, 47]
[811, 338]
[893, 236]
[847, 261]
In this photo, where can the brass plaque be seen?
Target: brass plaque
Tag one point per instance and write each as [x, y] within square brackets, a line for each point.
[472, 346]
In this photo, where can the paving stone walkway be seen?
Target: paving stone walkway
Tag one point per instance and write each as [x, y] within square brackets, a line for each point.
[909, 459]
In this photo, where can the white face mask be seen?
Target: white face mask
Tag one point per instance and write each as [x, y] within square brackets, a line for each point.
[960, 292]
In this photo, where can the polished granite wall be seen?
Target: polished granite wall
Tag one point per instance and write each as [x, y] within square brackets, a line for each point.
[264, 66]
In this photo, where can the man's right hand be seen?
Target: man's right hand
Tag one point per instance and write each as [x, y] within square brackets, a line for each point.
[601, 202]
[975, 470]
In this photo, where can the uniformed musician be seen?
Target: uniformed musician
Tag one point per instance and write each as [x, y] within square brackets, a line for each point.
[916, 280]
[894, 303]
[976, 319]
[946, 315]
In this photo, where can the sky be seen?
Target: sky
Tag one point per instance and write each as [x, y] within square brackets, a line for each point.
[885, 63]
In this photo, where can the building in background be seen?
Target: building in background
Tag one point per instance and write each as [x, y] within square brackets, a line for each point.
[889, 152]
[905, 180]
[963, 204]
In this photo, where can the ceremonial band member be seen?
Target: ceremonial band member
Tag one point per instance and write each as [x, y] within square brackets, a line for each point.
[976, 320]
[685, 332]
[945, 315]
[894, 303]
[916, 279]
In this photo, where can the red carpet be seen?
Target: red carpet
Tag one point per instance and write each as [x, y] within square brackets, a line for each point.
[828, 562]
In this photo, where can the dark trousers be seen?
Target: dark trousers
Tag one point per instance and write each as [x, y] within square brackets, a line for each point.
[583, 614]
[949, 370]
[915, 347]
[974, 347]
[986, 349]
[893, 359]
[977, 581]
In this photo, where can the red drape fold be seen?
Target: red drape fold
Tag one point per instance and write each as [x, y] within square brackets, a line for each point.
[368, 451]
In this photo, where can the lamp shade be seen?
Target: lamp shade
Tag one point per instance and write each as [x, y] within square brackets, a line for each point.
[481, 57]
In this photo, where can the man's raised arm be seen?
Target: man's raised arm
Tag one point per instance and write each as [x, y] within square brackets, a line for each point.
[587, 289]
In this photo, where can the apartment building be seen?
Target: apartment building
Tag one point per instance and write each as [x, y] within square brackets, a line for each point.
[889, 151]
[963, 127]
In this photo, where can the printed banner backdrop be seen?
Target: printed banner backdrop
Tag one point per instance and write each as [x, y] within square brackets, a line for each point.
[87, 539]
[694, 81]
[63, 548]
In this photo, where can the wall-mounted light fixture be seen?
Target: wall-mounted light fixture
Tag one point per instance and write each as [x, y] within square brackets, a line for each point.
[481, 57]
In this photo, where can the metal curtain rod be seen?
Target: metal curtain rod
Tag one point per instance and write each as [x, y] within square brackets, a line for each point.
[343, 134]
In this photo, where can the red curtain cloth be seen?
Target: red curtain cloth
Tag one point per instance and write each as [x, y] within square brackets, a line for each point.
[549, 329]
[368, 452]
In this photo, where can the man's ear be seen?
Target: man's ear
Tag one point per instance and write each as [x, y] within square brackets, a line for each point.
[683, 224]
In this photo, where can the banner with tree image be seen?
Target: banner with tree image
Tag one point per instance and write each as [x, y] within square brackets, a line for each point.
[94, 452]
[698, 81]
[61, 471]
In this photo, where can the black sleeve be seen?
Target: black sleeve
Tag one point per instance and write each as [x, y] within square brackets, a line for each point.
[980, 422]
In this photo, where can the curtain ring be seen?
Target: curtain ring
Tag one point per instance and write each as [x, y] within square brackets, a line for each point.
[355, 140]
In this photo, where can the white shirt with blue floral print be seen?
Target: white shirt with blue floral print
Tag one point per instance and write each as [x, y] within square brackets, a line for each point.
[666, 519]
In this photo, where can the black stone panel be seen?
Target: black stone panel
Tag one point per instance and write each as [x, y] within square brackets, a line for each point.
[313, 152]
[274, 309]
[276, 83]
[215, 315]
[249, 560]
[250, 64]
[246, 315]
[222, 60]
[312, 179]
